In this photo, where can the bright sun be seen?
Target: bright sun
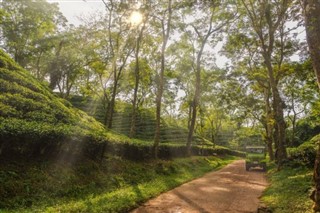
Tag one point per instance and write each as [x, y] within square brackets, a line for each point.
[135, 18]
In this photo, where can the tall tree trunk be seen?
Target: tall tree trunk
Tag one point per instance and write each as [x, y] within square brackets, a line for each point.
[189, 113]
[195, 102]
[110, 109]
[311, 10]
[266, 23]
[135, 97]
[117, 72]
[312, 24]
[277, 104]
[136, 86]
[54, 75]
[165, 36]
[197, 92]
[269, 123]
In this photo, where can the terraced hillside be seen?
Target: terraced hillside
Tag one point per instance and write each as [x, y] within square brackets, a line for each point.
[145, 121]
[36, 123]
[33, 120]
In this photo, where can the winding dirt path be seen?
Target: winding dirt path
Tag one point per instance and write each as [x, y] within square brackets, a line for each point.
[231, 189]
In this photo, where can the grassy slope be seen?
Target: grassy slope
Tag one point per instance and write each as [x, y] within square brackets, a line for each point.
[28, 108]
[115, 185]
[31, 113]
[291, 187]
[289, 190]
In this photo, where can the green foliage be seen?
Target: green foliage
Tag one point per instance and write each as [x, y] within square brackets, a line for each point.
[145, 121]
[25, 24]
[289, 190]
[305, 154]
[32, 117]
[34, 122]
[116, 185]
[247, 137]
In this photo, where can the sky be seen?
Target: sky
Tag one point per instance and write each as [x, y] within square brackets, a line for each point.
[72, 9]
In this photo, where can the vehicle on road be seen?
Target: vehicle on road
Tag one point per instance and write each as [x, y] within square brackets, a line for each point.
[256, 157]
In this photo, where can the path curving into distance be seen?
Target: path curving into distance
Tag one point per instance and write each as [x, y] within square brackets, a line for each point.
[231, 189]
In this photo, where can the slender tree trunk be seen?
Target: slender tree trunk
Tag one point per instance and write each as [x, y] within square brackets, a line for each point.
[165, 36]
[54, 76]
[117, 71]
[136, 86]
[311, 10]
[38, 75]
[110, 109]
[135, 94]
[293, 135]
[269, 123]
[197, 93]
[189, 113]
[195, 103]
[196, 99]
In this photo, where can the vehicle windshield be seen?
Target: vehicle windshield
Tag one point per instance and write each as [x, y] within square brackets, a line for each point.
[255, 150]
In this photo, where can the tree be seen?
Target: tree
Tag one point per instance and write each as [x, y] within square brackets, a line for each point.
[268, 21]
[202, 30]
[311, 10]
[298, 95]
[140, 30]
[119, 48]
[68, 63]
[26, 27]
[165, 22]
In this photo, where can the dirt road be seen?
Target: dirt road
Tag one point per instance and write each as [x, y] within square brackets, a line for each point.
[232, 189]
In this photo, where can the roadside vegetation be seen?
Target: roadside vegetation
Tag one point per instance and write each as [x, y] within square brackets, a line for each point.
[55, 157]
[113, 185]
[289, 190]
[291, 187]
[106, 114]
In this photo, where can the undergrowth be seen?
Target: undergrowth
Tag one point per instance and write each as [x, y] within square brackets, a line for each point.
[114, 185]
[289, 189]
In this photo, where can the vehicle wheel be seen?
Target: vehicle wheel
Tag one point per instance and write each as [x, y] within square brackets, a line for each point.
[264, 167]
[247, 167]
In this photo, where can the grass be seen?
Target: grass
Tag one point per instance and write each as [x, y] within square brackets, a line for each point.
[289, 190]
[114, 185]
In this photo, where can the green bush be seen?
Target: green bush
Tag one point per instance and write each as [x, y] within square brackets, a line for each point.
[305, 154]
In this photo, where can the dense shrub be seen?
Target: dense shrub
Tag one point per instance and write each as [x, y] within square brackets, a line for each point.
[306, 129]
[140, 152]
[34, 122]
[305, 154]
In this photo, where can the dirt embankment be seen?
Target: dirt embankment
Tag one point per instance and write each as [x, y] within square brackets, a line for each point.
[232, 189]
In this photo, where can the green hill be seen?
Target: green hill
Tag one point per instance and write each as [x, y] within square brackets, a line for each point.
[44, 147]
[33, 121]
[145, 121]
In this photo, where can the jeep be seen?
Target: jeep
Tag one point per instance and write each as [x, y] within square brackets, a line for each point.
[256, 157]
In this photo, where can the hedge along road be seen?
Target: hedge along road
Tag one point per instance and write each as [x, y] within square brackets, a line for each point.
[231, 189]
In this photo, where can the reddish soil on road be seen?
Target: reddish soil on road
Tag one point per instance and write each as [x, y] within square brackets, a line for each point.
[231, 189]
